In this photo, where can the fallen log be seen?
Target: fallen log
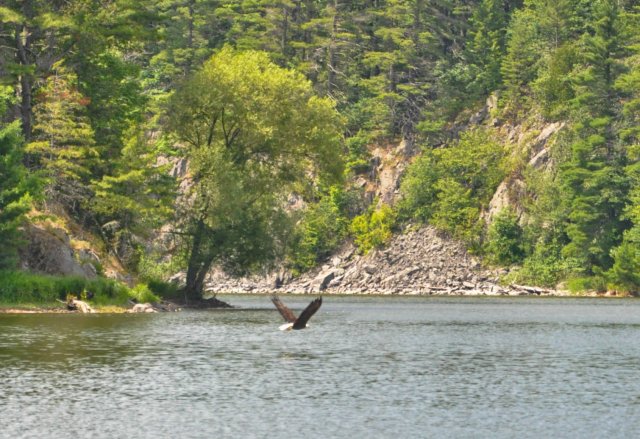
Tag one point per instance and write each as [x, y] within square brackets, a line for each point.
[142, 307]
[79, 305]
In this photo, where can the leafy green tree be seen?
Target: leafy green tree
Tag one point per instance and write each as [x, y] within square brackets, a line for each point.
[523, 53]
[486, 46]
[34, 35]
[252, 132]
[140, 194]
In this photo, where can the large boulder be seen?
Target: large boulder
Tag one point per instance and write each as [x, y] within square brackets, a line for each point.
[49, 251]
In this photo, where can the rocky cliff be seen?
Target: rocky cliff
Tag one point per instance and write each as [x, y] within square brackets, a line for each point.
[419, 262]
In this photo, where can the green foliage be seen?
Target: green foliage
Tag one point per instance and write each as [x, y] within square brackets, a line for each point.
[358, 156]
[553, 87]
[17, 189]
[253, 132]
[625, 272]
[455, 211]
[163, 289]
[520, 64]
[505, 239]
[581, 284]
[321, 230]
[63, 145]
[486, 47]
[448, 186]
[373, 229]
[22, 287]
[139, 194]
[142, 294]
[594, 177]
[545, 267]
[92, 79]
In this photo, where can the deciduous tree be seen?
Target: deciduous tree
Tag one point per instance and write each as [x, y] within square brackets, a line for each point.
[253, 133]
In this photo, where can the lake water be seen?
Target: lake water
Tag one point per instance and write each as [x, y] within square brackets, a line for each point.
[368, 367]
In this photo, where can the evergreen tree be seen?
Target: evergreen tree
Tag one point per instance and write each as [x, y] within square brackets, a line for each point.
[33, 36]
[486, 46]
[594, 178]
[625, 272]
[16, 187]
[63, 144]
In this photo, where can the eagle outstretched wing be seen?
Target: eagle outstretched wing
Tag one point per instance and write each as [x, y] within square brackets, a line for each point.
[305, 315]
[288, 315]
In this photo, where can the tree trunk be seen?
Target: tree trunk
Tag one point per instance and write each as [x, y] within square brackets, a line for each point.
[331, 67]
[25, 81]
[190, 37]
[200, 261]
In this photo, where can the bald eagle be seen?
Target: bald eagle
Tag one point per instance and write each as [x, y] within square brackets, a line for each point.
[294, 322]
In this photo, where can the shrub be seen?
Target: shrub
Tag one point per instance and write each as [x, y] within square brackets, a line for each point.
[580, 284]
[142, 294]
[358, 158]
[505, 237]
[321, 230]
[625, 273]
[545, 269]
[449, 186]
[162, 289]
[373, 229]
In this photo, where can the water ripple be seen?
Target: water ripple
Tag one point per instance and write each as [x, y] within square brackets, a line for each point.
[372, 368]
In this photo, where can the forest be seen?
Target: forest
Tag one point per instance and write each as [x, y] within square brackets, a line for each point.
[271, 102]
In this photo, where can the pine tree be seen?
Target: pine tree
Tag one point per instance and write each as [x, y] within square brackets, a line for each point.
[63, 146]
[16, 186]
[594, 178]
[486, 46]
[625, 272]
[139, 194]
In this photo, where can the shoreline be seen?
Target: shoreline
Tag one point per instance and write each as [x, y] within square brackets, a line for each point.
[505, 292]
[31, 308]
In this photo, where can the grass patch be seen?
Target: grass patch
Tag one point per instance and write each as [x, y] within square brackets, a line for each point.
[163, 289]
[19, 287]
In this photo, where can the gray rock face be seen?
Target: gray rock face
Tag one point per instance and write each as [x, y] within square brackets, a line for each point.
[49, 251]
[419, 262]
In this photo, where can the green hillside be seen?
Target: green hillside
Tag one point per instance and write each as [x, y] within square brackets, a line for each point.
[275, 107]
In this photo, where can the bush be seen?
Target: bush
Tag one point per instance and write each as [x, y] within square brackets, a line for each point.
[592, 283]
[455, 212]
[163, 289]
[449, 186]
[545, 270]
[154, 267]
[143, 294]
[625, 273]
[358, 158]
[373, 229]
[504, 240]
[321, 231]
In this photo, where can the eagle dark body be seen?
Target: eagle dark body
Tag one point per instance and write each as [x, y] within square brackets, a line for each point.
[299, 322]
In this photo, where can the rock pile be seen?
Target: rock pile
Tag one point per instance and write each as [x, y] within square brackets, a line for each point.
[419, 262]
